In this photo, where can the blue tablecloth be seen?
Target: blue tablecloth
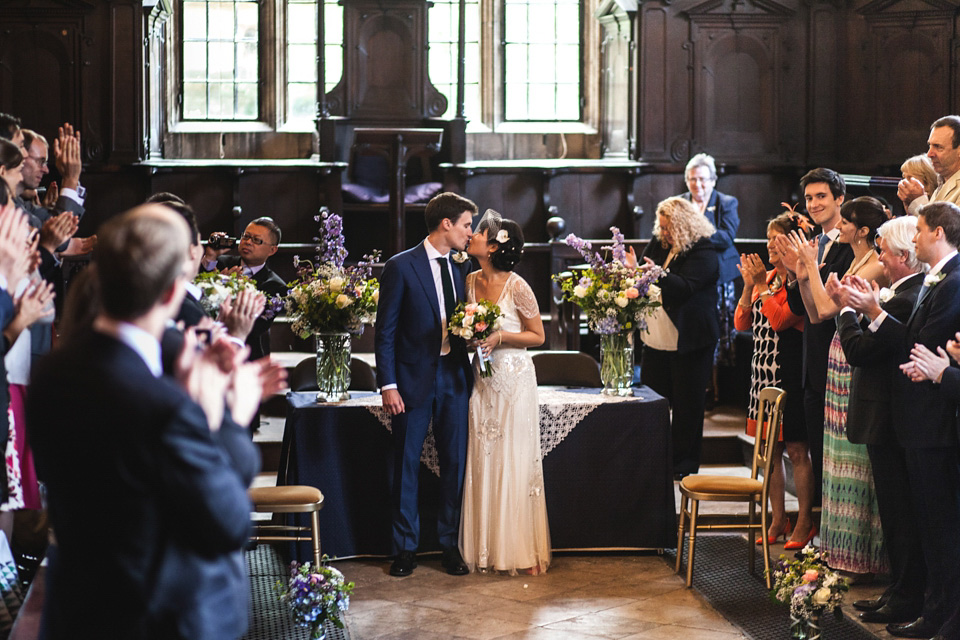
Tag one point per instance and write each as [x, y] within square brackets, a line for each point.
[607, 471]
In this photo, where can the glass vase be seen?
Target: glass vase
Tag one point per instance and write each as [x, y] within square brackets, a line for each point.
[616, 363]
[805, 628]
[333, 367]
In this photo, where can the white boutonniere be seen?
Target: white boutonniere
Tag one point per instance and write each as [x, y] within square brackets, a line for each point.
[460, 257]
[503, 236]
[931, 279]
[885, 294]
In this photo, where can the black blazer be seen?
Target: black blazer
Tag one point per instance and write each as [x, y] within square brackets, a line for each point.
[690, 292]
[874, 363]
[817, 337]
[722, 214]
[269, 283]
[926, 416]
[150, 507]
[191, 311]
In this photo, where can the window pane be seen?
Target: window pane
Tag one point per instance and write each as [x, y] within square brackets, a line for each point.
[302, 23]
[221, 59]
[333, 57]
[333, 22]
[444, 34]
[301, 46]
[302, 100]
[542, 50]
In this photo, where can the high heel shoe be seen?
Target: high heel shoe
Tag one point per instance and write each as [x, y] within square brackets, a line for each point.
[790, 544]
[787, 530]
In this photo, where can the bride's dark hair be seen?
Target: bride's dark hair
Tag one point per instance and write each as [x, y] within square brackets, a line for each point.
[508, 253]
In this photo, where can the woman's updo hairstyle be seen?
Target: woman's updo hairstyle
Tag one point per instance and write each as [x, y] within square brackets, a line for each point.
[508, 253]
[865, 212]
[789, 221]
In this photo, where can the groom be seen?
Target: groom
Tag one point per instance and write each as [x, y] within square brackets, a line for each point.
[424, 373]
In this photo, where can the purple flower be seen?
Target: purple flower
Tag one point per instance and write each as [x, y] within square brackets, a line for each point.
[619, 252]
[607, 325]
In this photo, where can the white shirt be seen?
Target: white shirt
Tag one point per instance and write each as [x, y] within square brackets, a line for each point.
[432, 255]
[144, 344]
[934, 270]
[832, 234]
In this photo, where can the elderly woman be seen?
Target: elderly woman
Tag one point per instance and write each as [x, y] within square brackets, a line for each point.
[682, 334]
[920, 168]
[721, 211]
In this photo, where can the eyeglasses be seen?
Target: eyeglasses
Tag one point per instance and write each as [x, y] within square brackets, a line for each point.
[254, 239]
[42, 162]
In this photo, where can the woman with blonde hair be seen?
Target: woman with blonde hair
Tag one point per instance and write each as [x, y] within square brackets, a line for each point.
[920, 168]
[682, 334]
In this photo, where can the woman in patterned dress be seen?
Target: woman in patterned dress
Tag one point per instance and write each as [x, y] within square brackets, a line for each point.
[777, 361]
[850, 522]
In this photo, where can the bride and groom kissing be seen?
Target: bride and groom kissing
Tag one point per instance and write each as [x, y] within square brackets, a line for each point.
[486, 428]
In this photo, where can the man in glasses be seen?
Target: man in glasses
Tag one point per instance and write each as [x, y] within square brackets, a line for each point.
[259, 241]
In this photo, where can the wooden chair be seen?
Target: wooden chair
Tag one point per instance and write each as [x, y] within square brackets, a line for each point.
[699, 487]
[288, 499]
[304, 376]
[567, 368]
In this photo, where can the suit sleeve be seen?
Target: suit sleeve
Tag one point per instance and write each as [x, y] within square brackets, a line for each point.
[388, 316]
[780, 315]
[243, 455]
[862, 349]
[728, 222]
[202, 484]
[950, 384]
[700, 269]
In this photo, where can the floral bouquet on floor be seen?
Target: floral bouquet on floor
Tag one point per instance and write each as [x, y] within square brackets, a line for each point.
[615, 297]
[476, 321]
[329, 297]
[809, 586]
[315, 595]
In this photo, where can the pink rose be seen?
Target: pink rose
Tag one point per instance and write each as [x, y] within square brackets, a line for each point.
[471, 308]
[480, 326]
[631, 293]
[810, 575]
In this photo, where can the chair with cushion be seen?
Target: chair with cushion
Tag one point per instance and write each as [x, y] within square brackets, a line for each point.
[304, 376]
[753, 490]
[566, 368]
[288, 499]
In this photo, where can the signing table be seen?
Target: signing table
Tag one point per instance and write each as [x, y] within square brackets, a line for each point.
[607, 470]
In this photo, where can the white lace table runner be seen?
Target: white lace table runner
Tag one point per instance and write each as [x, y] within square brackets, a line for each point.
[560, 412]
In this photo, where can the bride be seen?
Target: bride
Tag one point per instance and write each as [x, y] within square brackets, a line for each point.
[503, 526]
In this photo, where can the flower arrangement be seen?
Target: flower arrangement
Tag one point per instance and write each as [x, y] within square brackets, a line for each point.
[217, 287]
[328, 296]
[807, 584]
[315, 595]
[614, 296]
[476, 321]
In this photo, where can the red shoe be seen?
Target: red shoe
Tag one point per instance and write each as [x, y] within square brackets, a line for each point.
[787, 530]
[791, 544]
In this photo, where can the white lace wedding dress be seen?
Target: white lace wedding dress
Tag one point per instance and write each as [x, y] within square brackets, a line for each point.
[503, 525]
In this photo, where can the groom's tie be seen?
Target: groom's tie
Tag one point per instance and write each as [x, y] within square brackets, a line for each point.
[449, 298]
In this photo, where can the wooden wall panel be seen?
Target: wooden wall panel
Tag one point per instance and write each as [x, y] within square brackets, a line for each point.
[655, 81]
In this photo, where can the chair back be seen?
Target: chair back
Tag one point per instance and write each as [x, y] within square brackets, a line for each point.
[769, 421]
[568, 368]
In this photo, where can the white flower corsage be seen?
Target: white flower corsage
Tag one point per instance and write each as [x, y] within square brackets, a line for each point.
[460, 257]
[931, 279]
[503, 236]
[885, 294]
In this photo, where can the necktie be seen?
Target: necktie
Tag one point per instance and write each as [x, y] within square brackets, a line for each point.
[449, 298]
[821, 246]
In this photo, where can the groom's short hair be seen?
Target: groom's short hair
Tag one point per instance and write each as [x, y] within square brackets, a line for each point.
[446, 205]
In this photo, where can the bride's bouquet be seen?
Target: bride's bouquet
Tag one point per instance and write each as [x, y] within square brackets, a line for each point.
[476, 321]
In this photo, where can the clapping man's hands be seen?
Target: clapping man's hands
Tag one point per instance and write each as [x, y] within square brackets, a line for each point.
[66, 151]
[925, 364]
[57, 230]
[16, 246]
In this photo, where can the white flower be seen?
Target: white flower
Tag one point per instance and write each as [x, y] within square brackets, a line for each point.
[821, 596]
[344, 301]
[503, 236]
[603, 295]
[580, 291]
[460, 257]
[830, 579]
[376, 296]
[482, 310]
[932, 279]
[654, 292]
[466, 334]
[621, 301]
[336, 284]
[885, 294]
[467, 320]
[496, 324]
[629, 282]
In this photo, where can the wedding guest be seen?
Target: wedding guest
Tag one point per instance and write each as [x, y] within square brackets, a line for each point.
[720, 210]
[682, 334]
[920, 410]
[920, 168]
[869, 420]
[777, 357]
[823, 192]
[944, 153]
[849, 522]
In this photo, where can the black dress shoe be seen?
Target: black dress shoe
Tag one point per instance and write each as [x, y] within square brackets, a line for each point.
[919, 628]
[452, 561]
[404, 565]
[888, 613]
[870, 605]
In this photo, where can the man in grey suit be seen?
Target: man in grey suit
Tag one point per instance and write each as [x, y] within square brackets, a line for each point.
[869, 411]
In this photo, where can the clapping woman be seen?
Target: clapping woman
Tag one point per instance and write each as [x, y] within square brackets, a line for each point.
[777, 361]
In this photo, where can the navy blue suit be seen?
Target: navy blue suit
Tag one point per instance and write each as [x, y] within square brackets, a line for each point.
[722, 214]
[408, 340]
[149, 506]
